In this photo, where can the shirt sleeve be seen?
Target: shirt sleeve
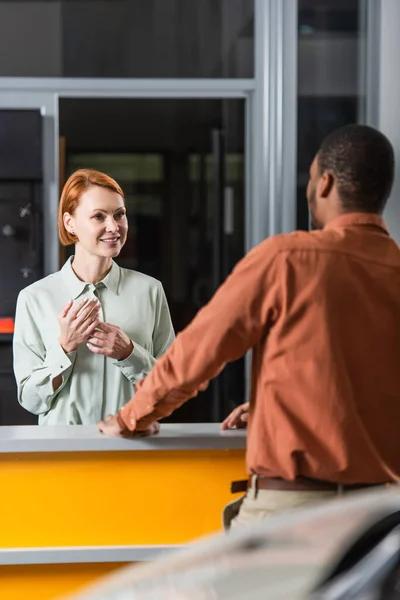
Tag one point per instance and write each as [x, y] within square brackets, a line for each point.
[140, 362]
[240, 313]
[35, 366]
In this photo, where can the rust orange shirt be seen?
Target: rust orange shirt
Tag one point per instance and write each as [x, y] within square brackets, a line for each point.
[321, 312]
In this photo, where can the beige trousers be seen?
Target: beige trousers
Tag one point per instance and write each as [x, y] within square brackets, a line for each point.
[257, 506]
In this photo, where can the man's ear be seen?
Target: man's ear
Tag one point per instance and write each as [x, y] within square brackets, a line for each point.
[325, 184]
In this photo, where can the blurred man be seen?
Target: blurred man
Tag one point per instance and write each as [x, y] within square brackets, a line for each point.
[321, 312]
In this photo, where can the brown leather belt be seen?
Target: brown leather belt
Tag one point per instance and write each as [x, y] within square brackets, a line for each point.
[296, 485]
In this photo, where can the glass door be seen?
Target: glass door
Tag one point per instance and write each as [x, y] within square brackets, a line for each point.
[180, 163]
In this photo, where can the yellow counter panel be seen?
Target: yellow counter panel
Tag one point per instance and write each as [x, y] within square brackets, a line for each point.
[70, 496]
[46, 582]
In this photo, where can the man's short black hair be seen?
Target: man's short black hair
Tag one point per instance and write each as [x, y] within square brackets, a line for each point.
[361, 159]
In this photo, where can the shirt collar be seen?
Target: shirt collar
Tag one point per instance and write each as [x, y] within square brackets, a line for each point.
[76, 286]
[111, 280]
[351, 219]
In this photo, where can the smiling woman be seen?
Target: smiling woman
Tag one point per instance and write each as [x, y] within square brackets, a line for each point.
[85, 335]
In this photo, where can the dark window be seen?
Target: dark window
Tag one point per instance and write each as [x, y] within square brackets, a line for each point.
[329, 94]
[127, 38]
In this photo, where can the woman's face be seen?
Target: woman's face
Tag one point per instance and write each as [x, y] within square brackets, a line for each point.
[99, 222]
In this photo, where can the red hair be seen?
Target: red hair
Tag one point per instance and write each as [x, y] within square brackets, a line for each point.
[78, 183]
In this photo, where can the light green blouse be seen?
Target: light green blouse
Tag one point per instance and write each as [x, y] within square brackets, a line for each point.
[93, 385]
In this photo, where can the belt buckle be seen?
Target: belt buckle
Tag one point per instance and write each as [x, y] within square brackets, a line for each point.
[254, 486]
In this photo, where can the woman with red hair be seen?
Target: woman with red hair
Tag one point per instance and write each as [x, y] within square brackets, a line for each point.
[86, 334]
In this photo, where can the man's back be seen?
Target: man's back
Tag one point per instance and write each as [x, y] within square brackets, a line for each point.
[326, 376]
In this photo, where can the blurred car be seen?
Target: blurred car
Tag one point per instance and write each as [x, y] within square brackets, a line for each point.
[344, 549]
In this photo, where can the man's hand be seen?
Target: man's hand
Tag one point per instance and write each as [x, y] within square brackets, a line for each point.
[112, 428]
[111, 341]
[238, 417]
[77, 323]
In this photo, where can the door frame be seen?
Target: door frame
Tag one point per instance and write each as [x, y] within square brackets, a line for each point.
[44, 94]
